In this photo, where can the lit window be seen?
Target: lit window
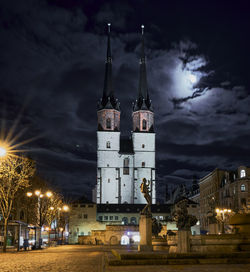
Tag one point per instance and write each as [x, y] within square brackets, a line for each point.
[108, 144]
[144, 124]
[108, 123]
[243, 188]
[242, 173]
[143, 164]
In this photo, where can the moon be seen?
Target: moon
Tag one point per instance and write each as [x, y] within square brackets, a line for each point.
[192, 78]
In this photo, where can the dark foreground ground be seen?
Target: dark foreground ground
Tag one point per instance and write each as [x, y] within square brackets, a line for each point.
[91, 259]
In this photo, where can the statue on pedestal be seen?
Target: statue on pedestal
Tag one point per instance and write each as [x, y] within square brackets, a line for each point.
[146, 193]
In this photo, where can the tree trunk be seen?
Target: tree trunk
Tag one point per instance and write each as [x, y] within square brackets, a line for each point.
[49, 238]
[5, 234]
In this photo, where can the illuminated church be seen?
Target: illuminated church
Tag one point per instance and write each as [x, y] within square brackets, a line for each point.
[123, 163]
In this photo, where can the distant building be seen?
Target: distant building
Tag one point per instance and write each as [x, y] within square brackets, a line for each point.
[92, 220]
[122, 163]
[228, 189]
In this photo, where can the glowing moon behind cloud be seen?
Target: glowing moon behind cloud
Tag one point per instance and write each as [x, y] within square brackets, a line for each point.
[192, 78]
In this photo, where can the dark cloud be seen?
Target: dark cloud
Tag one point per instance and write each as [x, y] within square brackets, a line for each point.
[52, 61]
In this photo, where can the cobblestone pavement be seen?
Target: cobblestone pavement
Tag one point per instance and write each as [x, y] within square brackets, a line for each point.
[63, 258]
[91, 259]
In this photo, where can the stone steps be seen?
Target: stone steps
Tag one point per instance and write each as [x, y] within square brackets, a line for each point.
[119, 258]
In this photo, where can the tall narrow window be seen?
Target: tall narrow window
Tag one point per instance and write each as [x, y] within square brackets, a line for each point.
[126, 166]
[144, 124]
[242, 173]
[143, 164]
[243, 188]
[108, 144]
[108, 123]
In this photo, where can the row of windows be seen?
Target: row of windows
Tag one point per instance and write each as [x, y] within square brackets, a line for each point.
[108, 124]
[124, 220]
[82, 216]
[111, 217]
[83, 205]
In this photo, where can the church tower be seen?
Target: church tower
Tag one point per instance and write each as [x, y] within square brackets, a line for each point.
[108, 137]
[143, 135]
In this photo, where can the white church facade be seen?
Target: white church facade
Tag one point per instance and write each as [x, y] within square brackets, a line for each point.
[122, 163]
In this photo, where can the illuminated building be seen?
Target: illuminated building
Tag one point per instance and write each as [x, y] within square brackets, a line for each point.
[123, 163]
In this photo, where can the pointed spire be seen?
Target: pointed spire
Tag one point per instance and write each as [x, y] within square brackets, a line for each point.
[143, 85]
[108, 93]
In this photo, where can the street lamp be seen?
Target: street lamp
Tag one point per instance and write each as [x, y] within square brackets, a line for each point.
[221, 216]
[39, 196]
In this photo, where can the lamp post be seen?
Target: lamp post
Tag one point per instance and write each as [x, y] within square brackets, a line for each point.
[221, 216]
[39, 196]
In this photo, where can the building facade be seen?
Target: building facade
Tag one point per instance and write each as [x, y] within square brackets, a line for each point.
[225, 190]
[122, 163]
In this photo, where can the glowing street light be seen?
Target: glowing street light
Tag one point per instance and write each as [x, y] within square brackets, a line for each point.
[3, 151]
[29, 194]
[49, 194]
[221, 216]
[37, 193]
[65, 208]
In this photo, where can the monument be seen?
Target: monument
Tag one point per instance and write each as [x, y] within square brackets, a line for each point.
[184, 222]
[145, 224]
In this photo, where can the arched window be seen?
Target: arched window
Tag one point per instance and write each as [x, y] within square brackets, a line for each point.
[243, 187]
[144, 124]
[108, 123]
[126, 166]
[133, 220]
[125, 221]
[125, 240]
[242, 173]
[108, 144]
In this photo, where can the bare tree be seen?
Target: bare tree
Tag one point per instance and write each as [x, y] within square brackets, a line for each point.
[15, 173]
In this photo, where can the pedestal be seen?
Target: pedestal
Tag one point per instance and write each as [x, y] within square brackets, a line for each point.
[183, 244]
[213, 228]
[145, 229]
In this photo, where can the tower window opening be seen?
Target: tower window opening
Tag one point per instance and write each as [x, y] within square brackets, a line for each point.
[143, 164]
[144, 124]
[243, 187]
[108, 123]
[143, 145]
[126, 166]
[242, 173]
[108, 144]
[108, 180]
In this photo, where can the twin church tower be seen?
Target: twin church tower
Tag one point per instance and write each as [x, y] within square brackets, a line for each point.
[123, 163]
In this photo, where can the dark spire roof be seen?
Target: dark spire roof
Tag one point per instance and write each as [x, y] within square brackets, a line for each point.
[143, 101]
[108, 98]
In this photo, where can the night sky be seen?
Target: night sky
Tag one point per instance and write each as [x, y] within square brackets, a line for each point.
[52, 60]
